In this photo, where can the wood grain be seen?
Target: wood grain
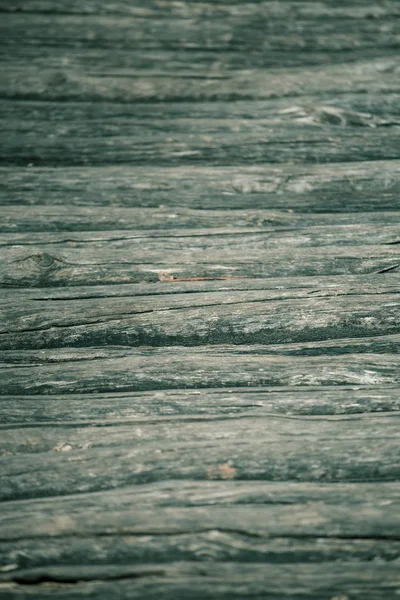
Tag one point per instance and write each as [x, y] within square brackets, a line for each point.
[207, 581]
[199, 308]
[366, 187]
[277, 448]
[101, 134]
[46, 260]
[193, 318]
[78, 370]
[130, 407]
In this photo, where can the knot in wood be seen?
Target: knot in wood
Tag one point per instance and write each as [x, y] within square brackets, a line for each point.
[44, 260]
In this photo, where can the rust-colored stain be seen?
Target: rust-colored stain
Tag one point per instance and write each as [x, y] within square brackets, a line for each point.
[62, 447]
[224, 471]
[164, 276]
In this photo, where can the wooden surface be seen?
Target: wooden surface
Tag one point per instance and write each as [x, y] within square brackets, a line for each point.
[199, 311]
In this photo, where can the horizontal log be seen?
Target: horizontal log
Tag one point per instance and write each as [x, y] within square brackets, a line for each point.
[256, 28]
[324, 10]
[110, 369]
[149, 8]
[126, 550]
[32, 219]
[194, 50]
[342, 188]
[310, 312]
[275, 287]
[103, 134]
[197, 430]
[129, 407]
[205, 494]
[57, 83]
[206, 40]
[46, 260]
[298, 522]
[313, 86]
[212, 580]
[345, 188]
[261, 238]
[275, 448]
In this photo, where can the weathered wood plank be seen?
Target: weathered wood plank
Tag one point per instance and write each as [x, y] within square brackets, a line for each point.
[314, 86]
[114, 408]
[110, 369]
[307, 236]
[262, 513]
[182, 430]
[256, 532]
[32, 219]
[199, 49]
[358, 448]
[101, 134]
[198, 36]
[204, 494]
[275, 287]
[46, 259]
[149, 8]
[362, 187]
[306, 12]
[210, 581]
[274, 316]
[124, 550]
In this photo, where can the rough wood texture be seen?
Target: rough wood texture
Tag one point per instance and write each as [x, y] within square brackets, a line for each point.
[199, 314]
[310, 311]
[367, 188]
[47, 260]
[90, 133]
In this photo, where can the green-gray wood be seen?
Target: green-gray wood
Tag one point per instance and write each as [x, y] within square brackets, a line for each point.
[199, 300]
[365, 187]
